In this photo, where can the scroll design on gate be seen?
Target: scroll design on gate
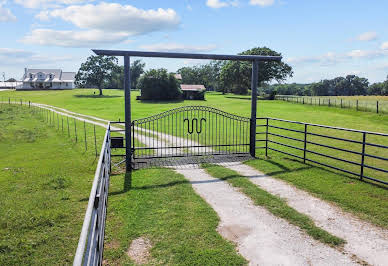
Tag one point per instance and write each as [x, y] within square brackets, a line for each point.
[192, 125]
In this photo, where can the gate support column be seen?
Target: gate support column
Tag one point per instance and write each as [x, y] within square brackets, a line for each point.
[128, 122]
[252, 141]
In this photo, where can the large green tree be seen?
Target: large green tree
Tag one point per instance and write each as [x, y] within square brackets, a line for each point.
[236, 75]
[96, 71]
[117, 77]
[158, 84]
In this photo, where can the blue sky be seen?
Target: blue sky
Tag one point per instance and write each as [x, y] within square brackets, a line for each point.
[319, 39]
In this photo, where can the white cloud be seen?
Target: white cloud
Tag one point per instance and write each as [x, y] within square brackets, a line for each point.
[175, 47]
[216, 3]
[364, 53]
[384, 46]
[86, 38]
[333, 58]
[102, 23]
[16, 57]
[261, 2]
[367, 36]
[116, 17]
[48, 3]
[219, 4]
[6, 14]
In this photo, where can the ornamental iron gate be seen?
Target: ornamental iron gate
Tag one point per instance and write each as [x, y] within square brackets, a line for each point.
[190, 131]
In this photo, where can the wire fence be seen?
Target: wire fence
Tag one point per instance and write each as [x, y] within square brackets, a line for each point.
[368, 105]
[75, 128]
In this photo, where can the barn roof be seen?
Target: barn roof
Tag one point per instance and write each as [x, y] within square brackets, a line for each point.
[188, 87]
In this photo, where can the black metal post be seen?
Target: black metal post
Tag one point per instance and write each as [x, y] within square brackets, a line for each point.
[266, 139]
[305, 143]
[363, 155]
[356, 105]
[377, 106]
[254, 79]
[341, 103]
[128, 122]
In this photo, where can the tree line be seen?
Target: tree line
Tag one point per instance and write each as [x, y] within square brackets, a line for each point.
[225, 76]
[339, 86]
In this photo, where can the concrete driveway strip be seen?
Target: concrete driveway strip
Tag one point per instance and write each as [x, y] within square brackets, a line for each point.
[261, 238]
[364, 240]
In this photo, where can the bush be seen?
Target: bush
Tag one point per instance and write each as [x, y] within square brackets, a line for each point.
[157, 84]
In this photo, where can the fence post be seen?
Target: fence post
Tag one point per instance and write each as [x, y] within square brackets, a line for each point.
[362, 155]
[68, 127]
[75, 130]
[377, 106]
[341, 103]
[254, 83]
[303, 100]
[356, 105]
[86, 144]
[319, 102]
[329, 102]
[9, 100]
[266, 140]
[95, 141]
[305, 143]
[29, 104]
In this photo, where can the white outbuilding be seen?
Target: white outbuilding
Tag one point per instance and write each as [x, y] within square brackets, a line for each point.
[47, 79]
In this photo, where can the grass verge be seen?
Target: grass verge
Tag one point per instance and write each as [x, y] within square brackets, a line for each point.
[367, 201]
[45, 178]
[161, 205]
[272, 203]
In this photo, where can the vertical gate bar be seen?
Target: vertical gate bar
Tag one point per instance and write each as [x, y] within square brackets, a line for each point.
[305, 143]
[127, 91]
[363, 155]
[254, 80]
[266, 139]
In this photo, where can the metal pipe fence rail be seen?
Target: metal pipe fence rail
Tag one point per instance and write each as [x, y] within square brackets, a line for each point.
[91, 242]
[377, 106]
[324, 145]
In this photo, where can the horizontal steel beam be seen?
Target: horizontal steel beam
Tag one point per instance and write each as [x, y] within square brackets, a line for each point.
[188, 55]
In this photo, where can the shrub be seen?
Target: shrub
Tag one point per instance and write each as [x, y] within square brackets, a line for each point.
[158, 84]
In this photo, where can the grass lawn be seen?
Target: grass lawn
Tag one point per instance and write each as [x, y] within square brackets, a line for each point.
[274, 204]
[111, 107]
[161, 205]
[45, 178]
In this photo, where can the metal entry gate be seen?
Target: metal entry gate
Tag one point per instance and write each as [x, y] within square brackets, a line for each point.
[190, 131]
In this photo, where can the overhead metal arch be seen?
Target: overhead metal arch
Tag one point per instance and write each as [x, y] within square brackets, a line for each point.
[127, 81]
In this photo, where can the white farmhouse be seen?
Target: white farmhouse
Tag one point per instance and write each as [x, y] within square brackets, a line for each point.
[47, 79]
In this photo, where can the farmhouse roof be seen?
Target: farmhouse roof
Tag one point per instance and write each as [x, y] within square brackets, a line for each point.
[178, 76]
[58, 75]
[188, 87]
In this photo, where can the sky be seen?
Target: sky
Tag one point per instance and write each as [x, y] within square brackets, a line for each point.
[320, 39]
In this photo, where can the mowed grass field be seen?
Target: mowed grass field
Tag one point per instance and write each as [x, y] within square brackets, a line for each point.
[46, 179]
[365, 200]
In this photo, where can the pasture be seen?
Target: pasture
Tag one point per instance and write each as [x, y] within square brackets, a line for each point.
[155, 202]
